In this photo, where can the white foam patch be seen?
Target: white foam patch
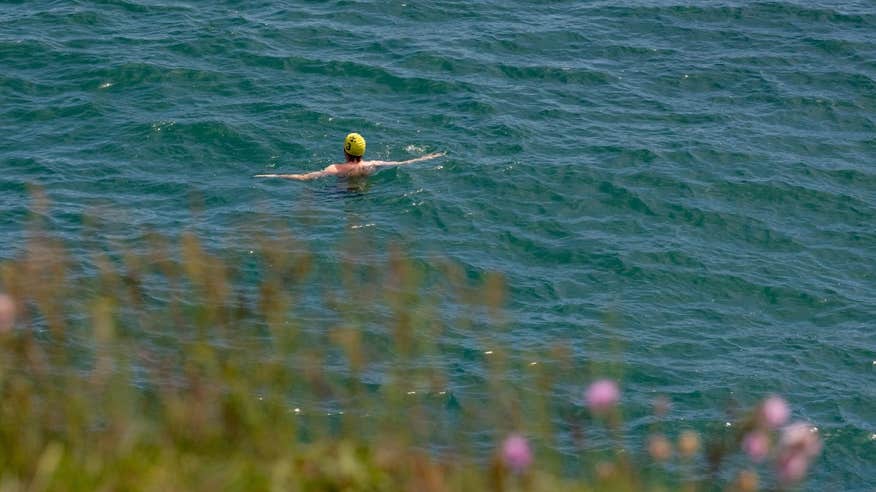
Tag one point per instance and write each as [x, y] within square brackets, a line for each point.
[161, 125]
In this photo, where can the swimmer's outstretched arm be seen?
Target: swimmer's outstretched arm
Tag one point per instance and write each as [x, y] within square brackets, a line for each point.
[426, 157]
[334, 171]
[299, 177]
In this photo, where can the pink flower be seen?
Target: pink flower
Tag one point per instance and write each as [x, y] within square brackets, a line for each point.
[659, 447]
[602, 396]
[7, 313]
[801, 438]
[756, 445]
[798, 446]
[775, 412]
[793, 468]
[516, 453]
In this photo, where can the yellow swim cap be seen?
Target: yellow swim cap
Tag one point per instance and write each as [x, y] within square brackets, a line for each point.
[354, 145]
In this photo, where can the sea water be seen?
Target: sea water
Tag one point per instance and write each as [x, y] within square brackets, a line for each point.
[702, 173]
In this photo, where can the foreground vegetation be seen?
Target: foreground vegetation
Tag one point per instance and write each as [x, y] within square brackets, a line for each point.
[162, 366]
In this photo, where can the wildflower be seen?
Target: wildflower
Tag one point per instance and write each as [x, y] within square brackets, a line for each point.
[662, 406]
[688, 443]
[602, 396]
[747, 481]
[801, 437]
[756, 445]
[516, 453]
[774, 411]
[605, 470]
[792, 468]
[799, 444]
[7, 313]
[659, 447]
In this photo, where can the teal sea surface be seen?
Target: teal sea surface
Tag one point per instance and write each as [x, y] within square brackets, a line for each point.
[701, 174]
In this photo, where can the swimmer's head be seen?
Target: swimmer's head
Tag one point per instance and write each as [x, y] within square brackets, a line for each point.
[354, 145]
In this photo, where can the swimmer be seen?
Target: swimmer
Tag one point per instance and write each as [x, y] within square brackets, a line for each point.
[354, 166]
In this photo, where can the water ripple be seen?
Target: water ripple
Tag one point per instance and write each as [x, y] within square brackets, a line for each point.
[701, 172]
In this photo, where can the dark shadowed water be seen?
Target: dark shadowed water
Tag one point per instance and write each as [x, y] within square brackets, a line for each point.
[705, 172]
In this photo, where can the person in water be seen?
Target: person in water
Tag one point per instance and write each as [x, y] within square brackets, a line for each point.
[354, 165]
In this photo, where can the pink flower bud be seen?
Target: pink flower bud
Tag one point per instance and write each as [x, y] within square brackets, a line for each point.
[659, 447]
[756, 445]
[801, 438]
[793, 468]
[602, 396]
[7, 313]
[516, 453]
[775, 412]
[688, 443]
[798, 446]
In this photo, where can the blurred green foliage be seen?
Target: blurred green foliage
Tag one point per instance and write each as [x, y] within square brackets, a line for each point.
[165, 366]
